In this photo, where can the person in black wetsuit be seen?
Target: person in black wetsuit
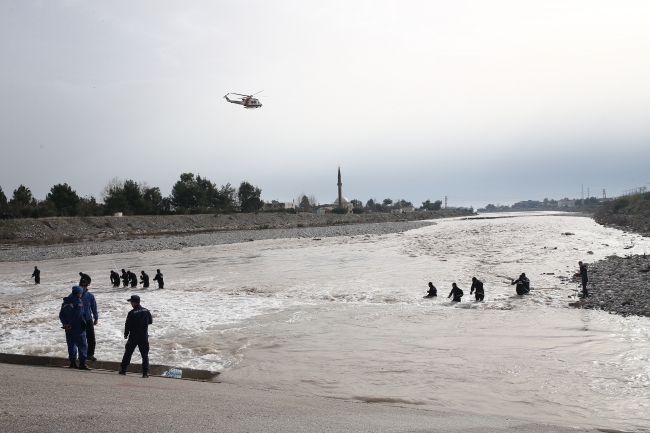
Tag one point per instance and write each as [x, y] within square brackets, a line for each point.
[523, 285]
[136, 330]
[144, 279]
[84, 277]
[36, 275]
[133, 279]
[478, 286]
[433, 292]
[585, 279]
[115, 279]
[456, 292]
[159, 278]
[125, 278]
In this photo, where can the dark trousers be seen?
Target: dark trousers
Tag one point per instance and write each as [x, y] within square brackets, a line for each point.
[456, 299]
[76, 340]
[90, 337]
[479, 296]
[585, 292]
[37, 280]
[142, 343]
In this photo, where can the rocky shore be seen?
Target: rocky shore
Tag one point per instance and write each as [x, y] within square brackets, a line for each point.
[619, 285]
[82, 229]
[32, 252]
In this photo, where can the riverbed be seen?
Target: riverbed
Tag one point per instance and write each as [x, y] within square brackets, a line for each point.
[344, 317]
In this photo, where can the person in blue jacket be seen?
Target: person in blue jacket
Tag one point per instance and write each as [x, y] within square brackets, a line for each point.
[73, 320]
[90, 311]
[136, 330]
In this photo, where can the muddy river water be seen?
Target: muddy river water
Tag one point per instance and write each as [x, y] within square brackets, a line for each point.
[345, 318]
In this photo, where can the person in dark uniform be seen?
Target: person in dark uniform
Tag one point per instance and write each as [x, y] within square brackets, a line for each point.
[136, 330]
[433, 292]
[523, 284]
[159, 278]
[115, 279]
[73, 319]
[585, 279]
[84, 277]
[90, 311]
[478, 286]
[36, 275]
[144, 279]
[133, 279]
[125, 278]
[456, 292]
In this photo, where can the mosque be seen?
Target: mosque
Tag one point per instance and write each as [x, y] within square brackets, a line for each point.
[341, 201]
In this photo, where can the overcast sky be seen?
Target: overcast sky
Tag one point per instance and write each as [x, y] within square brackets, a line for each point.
[482, 101]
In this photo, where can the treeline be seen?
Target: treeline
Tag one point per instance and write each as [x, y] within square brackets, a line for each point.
[190, 195]
[306, 204]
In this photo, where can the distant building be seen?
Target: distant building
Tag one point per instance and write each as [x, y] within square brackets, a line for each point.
[276, 205]
[397, 210]
[408, 208]
[566, 203]
[341, 201]
[320, 211]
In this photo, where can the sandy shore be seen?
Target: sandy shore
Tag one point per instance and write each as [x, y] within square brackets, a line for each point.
[47, 399]
[15, 253]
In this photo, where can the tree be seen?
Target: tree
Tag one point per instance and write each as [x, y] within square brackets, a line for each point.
[427, 205]
[370, 203]
[3, 198]
[65, 199]
[113, 196]
[151, 199]
[304, 203]
[22, 197]
[388, 202]
[404, 203]
[249, 197]
[356, 203]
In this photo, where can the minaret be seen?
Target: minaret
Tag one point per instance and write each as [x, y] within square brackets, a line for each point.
[340, 193]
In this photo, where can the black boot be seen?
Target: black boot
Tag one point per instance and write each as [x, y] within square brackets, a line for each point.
[83, 366]
[92, 358]
[123, 371]
[145, 374]
[73, 364]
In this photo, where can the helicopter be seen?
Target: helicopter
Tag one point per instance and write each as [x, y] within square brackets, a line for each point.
[246, 100]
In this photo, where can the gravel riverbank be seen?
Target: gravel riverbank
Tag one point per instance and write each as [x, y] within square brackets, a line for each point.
[15, 253]
[620, 285]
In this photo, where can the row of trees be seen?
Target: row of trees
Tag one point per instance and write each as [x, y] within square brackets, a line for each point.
[190, 194]
[307, 203]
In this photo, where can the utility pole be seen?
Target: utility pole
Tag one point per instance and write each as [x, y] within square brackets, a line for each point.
[604, 196]
[445, 202]
[588, 193]
[582, 194]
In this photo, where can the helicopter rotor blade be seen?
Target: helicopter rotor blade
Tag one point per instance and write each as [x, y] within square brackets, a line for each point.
[240, 94]
[257, 92]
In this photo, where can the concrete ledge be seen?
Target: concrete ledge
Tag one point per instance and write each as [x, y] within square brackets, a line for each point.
[156, 369]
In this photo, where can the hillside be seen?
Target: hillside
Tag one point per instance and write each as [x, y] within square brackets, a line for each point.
[630, 212]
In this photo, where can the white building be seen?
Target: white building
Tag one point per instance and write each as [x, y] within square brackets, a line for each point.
[277, 205]
[565, 203]
[408, 208]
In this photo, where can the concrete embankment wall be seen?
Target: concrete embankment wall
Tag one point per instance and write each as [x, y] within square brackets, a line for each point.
[154, 369]
[79, 229]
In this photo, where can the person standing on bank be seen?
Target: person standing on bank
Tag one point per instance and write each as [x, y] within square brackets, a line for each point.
[585, 279]
[90, 311]
[478, 286]
[159, 278]
[84, 277]
[144, 279]
[73, 319]
[456, 292]
[136, 331]
[36, 275]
